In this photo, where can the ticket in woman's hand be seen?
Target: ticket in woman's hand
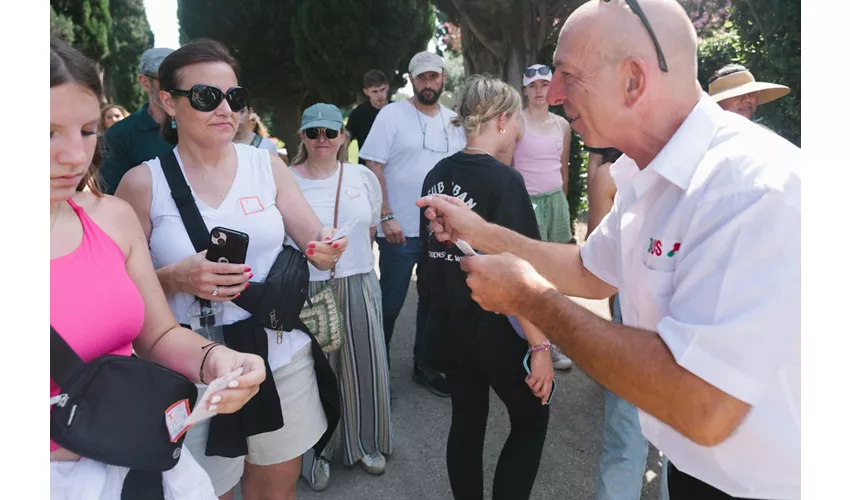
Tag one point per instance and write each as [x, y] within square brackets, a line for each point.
[202, 409]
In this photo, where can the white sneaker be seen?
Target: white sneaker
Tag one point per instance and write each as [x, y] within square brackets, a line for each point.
[374, 463]
[559, 361]
[320, 475]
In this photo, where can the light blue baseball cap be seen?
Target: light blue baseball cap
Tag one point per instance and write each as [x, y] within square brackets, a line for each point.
[321, 115]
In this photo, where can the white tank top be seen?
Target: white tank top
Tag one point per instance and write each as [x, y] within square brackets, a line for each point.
[248, 207]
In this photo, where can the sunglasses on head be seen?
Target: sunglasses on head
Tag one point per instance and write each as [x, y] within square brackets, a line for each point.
[312, 133]
[542, 70]
[635, 7]
[208, 98]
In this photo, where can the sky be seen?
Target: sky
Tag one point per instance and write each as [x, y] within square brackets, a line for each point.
[162, 16]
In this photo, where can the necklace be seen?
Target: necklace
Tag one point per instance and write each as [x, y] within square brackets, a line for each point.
[478, 149]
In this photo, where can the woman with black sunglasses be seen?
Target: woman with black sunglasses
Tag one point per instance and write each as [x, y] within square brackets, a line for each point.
[351, 193]
[249, 190]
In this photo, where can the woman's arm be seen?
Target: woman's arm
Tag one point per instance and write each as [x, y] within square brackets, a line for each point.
[161, 339]
[302, 224]
[565, 156]
[600, 196]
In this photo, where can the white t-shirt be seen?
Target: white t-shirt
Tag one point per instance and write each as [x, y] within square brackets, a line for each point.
[396, 140]
[250, 206]
[703, 246]
[268, 145]
[360, 201]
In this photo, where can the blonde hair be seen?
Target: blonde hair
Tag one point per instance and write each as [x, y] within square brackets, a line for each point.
[102, 125]
[342, 155]
[483, 98]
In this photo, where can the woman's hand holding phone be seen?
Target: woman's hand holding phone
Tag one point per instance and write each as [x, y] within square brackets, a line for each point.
[214, 281]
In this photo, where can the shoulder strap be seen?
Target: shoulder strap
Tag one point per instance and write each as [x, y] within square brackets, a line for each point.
[336, 208]
[64, 362]
[192, 219]
[256, 140]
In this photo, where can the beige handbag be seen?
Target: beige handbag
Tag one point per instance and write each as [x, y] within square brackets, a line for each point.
[321, 314]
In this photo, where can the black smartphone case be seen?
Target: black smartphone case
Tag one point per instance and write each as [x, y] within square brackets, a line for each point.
[227, 246]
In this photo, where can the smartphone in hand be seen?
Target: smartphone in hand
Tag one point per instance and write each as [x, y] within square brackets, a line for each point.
[227, 246]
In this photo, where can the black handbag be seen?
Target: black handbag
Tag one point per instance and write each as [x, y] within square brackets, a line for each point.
[113, 408]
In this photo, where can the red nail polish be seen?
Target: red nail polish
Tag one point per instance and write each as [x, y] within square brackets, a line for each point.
[311, 245]
[250, 275]
[238, 294]
[247, 285]
[310, 251]
[336, 245]
[247, 269]
[327, 238]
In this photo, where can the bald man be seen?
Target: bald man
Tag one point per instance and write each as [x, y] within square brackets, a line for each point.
[696, 243]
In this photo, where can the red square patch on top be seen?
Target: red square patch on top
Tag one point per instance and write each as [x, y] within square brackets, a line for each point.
[251, 205]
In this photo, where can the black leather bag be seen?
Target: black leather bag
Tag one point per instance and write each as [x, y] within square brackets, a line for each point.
[112, 409]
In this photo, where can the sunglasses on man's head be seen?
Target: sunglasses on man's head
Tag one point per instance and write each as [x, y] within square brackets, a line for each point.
[312, 133]
[635, 7]
[208, 98]
[542, 70]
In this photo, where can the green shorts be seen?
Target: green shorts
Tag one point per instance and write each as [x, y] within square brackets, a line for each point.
[553, 216]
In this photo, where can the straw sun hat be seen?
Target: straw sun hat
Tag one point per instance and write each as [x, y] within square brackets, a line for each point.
[741, 83]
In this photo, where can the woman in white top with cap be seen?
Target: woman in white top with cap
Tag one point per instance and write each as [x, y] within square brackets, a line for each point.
[352, 192]
[246, 189]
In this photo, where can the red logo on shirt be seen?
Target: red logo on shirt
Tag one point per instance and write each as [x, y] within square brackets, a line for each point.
[656, 247]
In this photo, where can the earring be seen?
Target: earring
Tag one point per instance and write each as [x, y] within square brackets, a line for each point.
[501, 131]
[173, 122]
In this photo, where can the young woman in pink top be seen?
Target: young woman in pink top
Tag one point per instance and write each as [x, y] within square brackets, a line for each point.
[542, 156]
[105, 297]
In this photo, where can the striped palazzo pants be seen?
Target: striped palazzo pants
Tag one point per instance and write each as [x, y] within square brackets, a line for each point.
[361, 368]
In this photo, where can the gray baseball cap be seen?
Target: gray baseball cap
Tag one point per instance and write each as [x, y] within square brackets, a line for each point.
[426, 61]
[151, 60]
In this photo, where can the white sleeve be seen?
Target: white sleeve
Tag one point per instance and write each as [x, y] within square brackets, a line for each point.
[268, 145]
[600, 252]
[734, 313]
[373, 193]
[378, 143]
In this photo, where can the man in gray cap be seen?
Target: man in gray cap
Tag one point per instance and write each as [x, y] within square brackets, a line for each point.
[407, 139]
[136, 139]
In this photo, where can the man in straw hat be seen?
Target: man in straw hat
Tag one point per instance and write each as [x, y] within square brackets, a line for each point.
[735, 89]
[696, 244]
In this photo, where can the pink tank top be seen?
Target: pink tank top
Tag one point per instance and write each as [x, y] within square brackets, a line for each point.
[538, 159]
[94, 305]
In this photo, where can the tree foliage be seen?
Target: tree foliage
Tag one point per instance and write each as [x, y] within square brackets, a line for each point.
[294, 53]
[769, 32]
[91, 25]
[715, 52]
[61, 26]
[131, 36]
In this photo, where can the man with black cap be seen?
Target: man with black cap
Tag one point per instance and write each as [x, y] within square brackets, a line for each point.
[407, 139]
[136, 139]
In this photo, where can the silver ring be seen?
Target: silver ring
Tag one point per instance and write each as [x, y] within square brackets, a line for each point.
[336, 258]
[215, 292]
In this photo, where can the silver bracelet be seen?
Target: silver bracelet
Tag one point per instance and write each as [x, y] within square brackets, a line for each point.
[387, 218]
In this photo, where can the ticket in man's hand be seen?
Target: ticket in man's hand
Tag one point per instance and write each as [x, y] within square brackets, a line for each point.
[202, 409]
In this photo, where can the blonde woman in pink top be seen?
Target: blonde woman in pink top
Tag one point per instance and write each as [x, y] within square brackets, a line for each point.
[542, 156]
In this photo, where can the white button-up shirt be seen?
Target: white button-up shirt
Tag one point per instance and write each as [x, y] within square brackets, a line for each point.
[704, 247]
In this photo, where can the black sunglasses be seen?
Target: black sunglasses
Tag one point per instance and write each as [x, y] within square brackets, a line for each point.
[312, 133]
[635, 7]
[207, 98]
[542, 70]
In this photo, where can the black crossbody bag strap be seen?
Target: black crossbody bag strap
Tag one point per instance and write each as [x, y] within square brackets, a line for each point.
[64, 362]
[182, 194]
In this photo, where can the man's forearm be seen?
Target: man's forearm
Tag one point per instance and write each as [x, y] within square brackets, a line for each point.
[378, 170]
[560, 263]
[636, 365]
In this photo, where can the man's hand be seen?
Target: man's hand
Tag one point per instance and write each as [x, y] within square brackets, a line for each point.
[393, 232]
[451, 218]
[504, 283]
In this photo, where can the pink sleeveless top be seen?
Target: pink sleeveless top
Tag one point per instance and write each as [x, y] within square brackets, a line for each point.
[538, 159]
[94, 305]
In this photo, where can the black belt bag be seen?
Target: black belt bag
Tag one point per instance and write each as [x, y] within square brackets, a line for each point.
[113, 408]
